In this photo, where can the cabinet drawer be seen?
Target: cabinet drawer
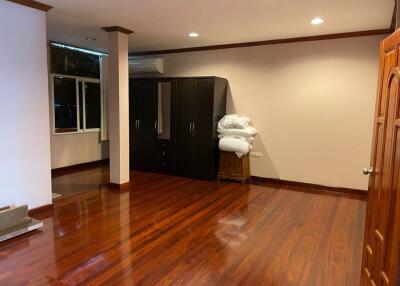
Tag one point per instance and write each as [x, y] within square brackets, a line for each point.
[164, 155]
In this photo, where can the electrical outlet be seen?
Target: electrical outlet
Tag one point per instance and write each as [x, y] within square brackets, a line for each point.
[256, 154]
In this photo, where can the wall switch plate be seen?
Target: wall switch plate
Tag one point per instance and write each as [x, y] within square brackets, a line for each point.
[256, 154]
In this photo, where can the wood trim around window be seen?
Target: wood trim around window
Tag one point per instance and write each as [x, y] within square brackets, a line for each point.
[269, 42]
[33, 4]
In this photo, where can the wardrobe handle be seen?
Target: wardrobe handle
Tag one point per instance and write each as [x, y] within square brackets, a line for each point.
[136, 127]
[190, 128]
[155, 126]
[193, 129]
[139, 129]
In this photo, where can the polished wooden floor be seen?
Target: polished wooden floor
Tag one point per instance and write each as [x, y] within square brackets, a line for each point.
[176, 231]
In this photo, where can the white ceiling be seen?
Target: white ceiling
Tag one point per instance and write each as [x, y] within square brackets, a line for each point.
[164, 24]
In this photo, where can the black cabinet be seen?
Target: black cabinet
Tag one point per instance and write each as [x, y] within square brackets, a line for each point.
[194, 146]
[142, 103]
[183, 124]
[173, 124]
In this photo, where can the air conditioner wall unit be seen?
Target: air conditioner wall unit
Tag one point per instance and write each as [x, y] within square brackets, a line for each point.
[149, 65]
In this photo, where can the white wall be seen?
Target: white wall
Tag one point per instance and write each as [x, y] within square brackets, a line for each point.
[73, 149]
[312, 103]
[24, 116]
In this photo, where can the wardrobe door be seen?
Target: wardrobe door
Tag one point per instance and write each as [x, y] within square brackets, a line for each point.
[147, 124]
[202, 118]
[135, 107]
[183, 119]
[164, 126]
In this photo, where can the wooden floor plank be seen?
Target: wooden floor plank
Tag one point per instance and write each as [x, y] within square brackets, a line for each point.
[177, 231]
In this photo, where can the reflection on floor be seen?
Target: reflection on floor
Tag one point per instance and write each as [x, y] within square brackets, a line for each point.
[76, 183]
[177, 231]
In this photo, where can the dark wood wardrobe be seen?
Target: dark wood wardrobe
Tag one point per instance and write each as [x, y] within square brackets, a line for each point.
[173, 124]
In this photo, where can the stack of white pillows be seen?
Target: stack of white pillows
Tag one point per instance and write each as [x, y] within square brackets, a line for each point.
[236, 135]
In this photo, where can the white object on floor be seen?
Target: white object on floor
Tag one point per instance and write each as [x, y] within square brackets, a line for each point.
[19, 229]
[233, 121]
[234, 145]
[55, 195]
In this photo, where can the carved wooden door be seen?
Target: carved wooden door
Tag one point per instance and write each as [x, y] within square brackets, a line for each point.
[380, 265]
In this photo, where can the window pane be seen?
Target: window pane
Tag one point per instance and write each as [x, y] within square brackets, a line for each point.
[87, 65]
[92, 104]
[58, 60]
[70, 62]
[65, 107]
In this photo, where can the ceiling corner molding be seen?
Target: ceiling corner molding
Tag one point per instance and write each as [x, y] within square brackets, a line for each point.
[269, 42]
[118, 29]
[33, 4]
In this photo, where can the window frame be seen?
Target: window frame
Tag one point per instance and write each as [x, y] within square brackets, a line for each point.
[83, 80]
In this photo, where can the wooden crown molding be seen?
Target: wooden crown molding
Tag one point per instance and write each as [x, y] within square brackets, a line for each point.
[117, 29]
[269, 42]
[33, 4]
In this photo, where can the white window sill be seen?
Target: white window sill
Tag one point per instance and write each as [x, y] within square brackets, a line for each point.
[76, 132]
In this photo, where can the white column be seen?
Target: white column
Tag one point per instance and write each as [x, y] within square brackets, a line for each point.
[25, 172]
[118, 105]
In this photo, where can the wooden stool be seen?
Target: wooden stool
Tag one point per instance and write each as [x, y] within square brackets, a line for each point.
[231, 167]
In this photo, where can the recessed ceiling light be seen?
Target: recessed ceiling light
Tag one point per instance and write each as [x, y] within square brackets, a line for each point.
[317, 21]
[90, 39]
[193, 35]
